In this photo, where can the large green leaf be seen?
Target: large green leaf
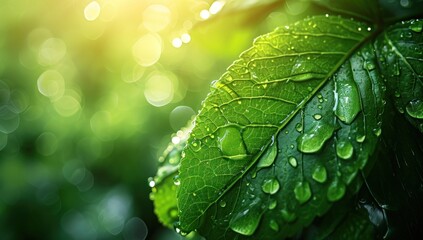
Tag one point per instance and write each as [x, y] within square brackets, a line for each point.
[281, 136]
[400, 51]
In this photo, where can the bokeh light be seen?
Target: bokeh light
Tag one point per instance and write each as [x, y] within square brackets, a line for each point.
[156, 17]
[92, 11]
[148, 49]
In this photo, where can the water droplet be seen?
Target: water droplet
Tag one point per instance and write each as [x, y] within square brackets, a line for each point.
[269, 156]
[151, 182]
[369, 65]
[273, 203]
[319, 174]
[415, 109]
[270, 186]
[396, 69]
[274, 225]
[336, 190]
[176, 180]
[299, 127]
[397, 94]
[196, 145]
[247, 221]
[293, 162]
[317, 116]
[288, 216]
[348, 104]
[377, 132]
[416, 26]
[302, 192]
[222, 203]
[360, 138]
[231, 144]
[344, 149]
[314, 140]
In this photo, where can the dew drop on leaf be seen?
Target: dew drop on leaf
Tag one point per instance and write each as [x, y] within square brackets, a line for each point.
[317, 116]
[348, 101]
[299, 127]
[273, 203]
[274, 225]
[369, 65]
[293, 162]
[269, 156]
[314, 140]
[288, 216]
[246, 222]
[222, 203]
[319, 174]
[196, 145]
[270, 186]
[336, 190]
[231, 144]
[176, 180]
[360, 138]
[151, 182]
[415, 109]
[344, 149]
[302, 191]
[416, 26]
[377, 131]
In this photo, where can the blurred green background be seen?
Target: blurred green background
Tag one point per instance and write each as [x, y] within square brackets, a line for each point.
[90, 93]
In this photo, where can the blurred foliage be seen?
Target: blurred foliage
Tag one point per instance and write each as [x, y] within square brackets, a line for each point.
[89, 94]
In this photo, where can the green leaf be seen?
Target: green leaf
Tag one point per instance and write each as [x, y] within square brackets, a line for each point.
[164, 184]
[283, 96]
[400, 52]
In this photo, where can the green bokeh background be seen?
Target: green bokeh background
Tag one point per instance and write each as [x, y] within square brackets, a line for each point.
[90, 93]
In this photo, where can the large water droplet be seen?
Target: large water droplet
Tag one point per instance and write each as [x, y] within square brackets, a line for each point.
[247, 221]
[293, 162]
[344, 149]
[317, 116]
[274, 225]
[302, 192]
[222, 203]
[415, 109]
[288, 216]
[314, 140]
[270, 186]
[299, 127]
[360, 138]
[416, 26]
[273, 203]
[269, 156]
[320, 174]
[348, 105]
[336, 190]
[231, 144]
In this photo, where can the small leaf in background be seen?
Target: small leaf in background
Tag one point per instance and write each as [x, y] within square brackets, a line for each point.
[166, 181]
[400, 53]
